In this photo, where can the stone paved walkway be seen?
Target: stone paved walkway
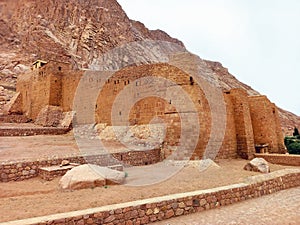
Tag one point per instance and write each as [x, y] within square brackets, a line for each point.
[280, 208]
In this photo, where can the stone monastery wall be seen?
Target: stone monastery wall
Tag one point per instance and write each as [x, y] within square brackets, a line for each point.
[250, 121]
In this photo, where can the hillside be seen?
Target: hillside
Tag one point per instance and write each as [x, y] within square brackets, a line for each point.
[79, 32]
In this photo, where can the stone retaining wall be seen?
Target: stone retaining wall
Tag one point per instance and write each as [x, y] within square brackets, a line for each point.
[161, 208]
[32, 131]
[283, 159]
[17, 171]
[13, 119]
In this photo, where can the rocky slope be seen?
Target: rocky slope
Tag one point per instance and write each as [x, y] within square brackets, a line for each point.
[79, 32]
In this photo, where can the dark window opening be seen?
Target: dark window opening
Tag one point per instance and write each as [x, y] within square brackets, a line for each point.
[59, 68]
[191, 80]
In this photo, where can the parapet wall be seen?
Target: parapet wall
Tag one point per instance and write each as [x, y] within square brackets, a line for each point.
[161, 208]
[22, 170]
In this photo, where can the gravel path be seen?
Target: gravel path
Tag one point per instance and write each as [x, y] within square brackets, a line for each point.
[280, 208]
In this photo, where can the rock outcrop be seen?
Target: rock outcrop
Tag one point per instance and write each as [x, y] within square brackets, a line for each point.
[80, 32]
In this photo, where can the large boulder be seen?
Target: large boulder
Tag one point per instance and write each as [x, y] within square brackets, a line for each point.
[258, 165]
[90, 176]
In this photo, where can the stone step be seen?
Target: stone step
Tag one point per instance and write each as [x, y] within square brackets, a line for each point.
[50, 172]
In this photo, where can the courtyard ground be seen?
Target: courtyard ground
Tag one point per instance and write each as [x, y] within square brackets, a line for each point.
[36, 197]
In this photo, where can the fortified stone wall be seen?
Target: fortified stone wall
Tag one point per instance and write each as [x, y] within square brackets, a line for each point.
[144, 110]
[266, 125]
[250, 121]
[229, 144]
[243, 124]
[41, 87]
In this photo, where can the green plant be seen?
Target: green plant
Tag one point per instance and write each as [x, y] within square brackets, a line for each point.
[294, 148]
[292, 144]
[288, 140]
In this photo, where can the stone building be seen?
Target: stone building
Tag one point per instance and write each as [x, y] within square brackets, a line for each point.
[251, 121]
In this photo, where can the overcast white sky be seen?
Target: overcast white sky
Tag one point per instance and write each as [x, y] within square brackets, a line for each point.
[257, 40]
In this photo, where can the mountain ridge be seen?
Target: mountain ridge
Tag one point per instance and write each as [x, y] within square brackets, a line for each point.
[79, 32]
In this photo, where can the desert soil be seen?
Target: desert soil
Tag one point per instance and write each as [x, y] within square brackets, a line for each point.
[36, 197]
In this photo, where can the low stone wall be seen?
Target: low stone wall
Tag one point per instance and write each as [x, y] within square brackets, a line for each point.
[17, 171]
[161, 208]
[283, 159]
[32, 131]
[13, 119]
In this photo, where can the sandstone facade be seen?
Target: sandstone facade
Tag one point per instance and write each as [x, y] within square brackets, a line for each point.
[249, 121]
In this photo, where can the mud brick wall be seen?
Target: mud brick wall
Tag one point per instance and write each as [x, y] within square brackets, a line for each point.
[283, 159]
[161, 208]
[17, 171]
[266, 125]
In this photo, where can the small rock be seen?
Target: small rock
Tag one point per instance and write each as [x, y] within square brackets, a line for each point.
[258, 165]
[64, 163]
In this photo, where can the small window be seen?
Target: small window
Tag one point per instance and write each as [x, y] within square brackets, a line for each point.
[59, 68]
[191, 81]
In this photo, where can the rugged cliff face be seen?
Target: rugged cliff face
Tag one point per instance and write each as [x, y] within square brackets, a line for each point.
[78, 32]
[72, 31]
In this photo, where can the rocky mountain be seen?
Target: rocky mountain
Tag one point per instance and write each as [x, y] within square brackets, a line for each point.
[79, 32]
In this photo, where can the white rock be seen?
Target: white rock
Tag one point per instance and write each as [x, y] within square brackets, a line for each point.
[90, 176]
[258, 165]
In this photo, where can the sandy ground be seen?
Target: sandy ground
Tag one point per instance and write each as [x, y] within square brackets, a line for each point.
[36, 197]
[49, 146]
[37, 147]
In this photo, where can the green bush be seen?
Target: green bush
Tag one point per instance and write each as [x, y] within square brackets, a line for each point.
[294, 148]
[288, 140]
[292, 144]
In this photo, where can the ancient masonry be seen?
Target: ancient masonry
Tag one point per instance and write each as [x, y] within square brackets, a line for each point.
[252, 122]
